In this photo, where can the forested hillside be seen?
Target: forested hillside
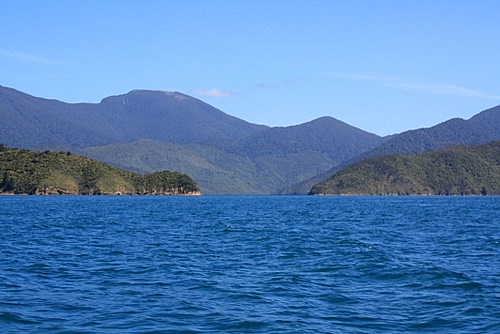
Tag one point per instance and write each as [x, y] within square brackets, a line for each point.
[482, 128]
[29, 172]
[457, 170]
[37, 123]
[262, 163]
[147, 131]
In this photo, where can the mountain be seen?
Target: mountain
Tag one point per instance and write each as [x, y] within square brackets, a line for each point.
[296, 153]
[482, 128]
[262, 163]
[215, 171]
[146, 131]
[479, 129]
[37, 123]
[318, 136]
[171, 117]
[457, 170]
[31, 122]
[29, 172]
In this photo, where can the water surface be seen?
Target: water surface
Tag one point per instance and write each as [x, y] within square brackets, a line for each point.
[263, 264]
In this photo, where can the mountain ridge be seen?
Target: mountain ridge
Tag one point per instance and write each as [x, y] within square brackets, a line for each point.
[122, 118]
[481, 128]
[146, 131]
[222, 153]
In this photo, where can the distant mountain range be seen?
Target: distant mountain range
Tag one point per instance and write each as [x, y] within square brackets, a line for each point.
[479, 129]
[456, 170]
[147, 131]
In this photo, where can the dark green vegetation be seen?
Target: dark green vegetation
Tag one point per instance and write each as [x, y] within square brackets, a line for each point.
[457, 170]
[29, 172]
[148, 131]
[479, 129]
[263, 163]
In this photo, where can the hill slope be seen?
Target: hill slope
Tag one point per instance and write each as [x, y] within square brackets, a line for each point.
[479, 129]
[482, 128]
[262, 163]
[28, 172]
[171, 117]
[146, 131]
[458, 170]
[215, 171]
[37, 123]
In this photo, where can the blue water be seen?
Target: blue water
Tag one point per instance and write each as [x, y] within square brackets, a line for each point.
[249, 264]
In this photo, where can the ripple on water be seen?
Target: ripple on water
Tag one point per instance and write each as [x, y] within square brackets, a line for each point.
[249, 264]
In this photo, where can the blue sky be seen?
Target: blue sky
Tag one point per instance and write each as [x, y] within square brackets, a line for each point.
[382, 66]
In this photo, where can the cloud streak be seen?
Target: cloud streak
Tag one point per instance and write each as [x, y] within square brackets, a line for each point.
[213, 92]
[274, 85]
[431, 88]
[27, 57]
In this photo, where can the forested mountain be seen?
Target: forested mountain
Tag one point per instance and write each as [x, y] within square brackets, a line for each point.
[37, 123]
[481, 128]
[456, 170]
[318, 136]
[147, 131]
[29, 172]
[171, 117]
[263, 163]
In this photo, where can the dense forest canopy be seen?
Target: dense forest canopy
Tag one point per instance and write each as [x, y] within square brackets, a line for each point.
[30, 172]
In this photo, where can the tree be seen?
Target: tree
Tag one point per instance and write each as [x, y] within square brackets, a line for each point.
[7, 183]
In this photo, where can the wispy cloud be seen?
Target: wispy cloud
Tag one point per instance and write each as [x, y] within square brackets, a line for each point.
[27, 57]
[213, 92]
[447, 89]
[274, 85]
[432, 88]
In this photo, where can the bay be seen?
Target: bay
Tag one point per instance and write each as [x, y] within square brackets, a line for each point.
[249, 264]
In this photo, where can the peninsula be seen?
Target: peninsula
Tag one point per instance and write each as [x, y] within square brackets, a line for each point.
[30, 172]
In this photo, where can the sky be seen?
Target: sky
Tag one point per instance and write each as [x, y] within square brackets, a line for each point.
[382, 66]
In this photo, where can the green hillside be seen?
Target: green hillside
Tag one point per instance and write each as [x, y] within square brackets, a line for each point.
[148, 131]
[458, 170]
[263, 163]
[216, 170]
[479, 129]
[29, 172]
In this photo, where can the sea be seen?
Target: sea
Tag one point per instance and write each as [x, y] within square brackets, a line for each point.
[249, 264]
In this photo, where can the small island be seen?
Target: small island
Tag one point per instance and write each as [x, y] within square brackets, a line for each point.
[50, 173]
